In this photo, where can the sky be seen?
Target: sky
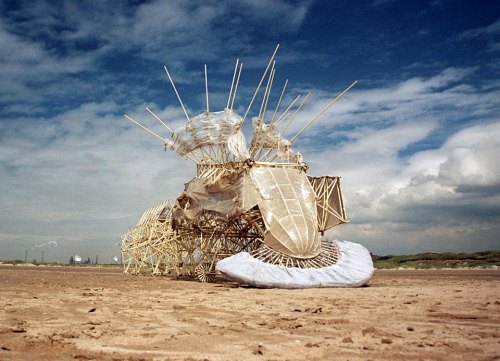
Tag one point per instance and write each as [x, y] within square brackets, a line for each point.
[416, 141]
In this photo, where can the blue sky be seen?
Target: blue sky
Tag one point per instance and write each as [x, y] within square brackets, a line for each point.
[416, 141]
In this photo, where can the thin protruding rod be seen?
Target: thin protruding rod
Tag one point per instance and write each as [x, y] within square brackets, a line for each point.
[295, 113]
[279, 102]
[282, 133]
[206, 87]
[146, 129]
[158, 119]
[267, 93]
[232, 84]
[285, 113]
[324, 110]
[236, 86]
[260, 83]
[176, 93]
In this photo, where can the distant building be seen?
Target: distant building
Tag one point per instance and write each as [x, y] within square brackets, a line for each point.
[76, 259]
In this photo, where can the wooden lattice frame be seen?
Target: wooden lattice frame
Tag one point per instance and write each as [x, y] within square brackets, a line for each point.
[329, 256]
[209, 240]
[189, 249]
[327, 189]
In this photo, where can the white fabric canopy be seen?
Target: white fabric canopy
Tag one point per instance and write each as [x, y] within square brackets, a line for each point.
[210, 129]
[266, 136]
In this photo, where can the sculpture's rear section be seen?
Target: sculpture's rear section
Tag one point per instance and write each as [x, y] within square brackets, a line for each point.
[329, 202]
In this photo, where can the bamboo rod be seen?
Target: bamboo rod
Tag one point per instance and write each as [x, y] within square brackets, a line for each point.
[260, 83]
[281, 120]
[264, 97]
[266, 92]
[206, 87]
[295, 113]
[266, 155]
[232, 84]
[157, 118]
[273, 157]
[146, 129]
[212, 153]
[216, 150]
[197, 154]
[225, 153]
[283, 116]
[218, 153]
[177, 139]
[236, 86]
[323, 111]
[258, 154]
[204, 154]
[171, 131]
[176, 93]
[279, 102]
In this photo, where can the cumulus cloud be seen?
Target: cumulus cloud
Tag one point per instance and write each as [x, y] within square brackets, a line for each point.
[431, 193]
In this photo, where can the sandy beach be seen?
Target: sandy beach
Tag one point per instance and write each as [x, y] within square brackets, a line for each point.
[71, 313]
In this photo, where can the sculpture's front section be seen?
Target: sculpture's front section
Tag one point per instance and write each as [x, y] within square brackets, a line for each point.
[251, 214]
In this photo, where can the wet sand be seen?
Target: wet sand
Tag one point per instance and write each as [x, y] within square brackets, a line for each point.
[71, 313]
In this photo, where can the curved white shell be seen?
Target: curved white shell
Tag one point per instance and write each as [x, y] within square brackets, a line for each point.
[353, 269]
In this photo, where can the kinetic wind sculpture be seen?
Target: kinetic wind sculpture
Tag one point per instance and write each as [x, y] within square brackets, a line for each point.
[251, 214]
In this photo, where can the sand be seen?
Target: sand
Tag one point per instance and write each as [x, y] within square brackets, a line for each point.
[71, 313]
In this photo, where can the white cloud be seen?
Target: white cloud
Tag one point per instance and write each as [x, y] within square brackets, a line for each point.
[457, 183]
[172, 30]
[489, 33]
[85, 173]
[67, 48]
[388, 141]
[491, 29]
[427, 195]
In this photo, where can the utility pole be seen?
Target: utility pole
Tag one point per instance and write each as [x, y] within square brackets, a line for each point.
[26, 256]
[42, 255]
